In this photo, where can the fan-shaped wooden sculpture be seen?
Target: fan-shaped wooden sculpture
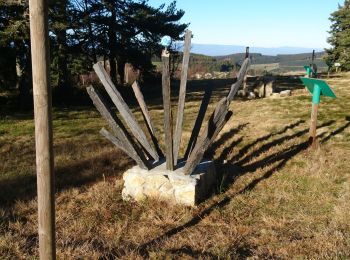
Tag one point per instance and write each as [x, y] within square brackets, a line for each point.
[148, 155]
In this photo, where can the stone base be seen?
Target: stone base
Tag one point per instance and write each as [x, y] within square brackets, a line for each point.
[172, 186]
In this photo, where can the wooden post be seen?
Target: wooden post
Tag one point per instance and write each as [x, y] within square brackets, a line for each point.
[38, 10]
[168, 121]
[182, 95]
[145, 113]
[313, 125]
[245, 89]
[124, 110]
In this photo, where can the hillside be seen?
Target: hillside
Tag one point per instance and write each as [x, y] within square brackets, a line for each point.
[281, 63]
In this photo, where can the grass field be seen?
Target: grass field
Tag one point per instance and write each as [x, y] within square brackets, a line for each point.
[275, 198]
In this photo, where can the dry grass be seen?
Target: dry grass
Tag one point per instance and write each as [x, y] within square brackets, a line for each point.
[276, 198]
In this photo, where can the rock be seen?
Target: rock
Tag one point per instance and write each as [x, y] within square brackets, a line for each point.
[275, 95]
[260, 90]
[269, 88]
[197, 76]
[241, 93]
[172, 186]
[285, 93]
[208, 76]
[251, 95]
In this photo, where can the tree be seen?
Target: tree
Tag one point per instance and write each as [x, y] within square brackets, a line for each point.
[340, 37]
[14, 42]
[127, 31]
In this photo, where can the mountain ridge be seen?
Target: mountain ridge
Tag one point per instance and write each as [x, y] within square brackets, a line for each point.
[223, 50]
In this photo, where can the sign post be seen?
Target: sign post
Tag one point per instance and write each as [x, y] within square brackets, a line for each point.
[309, 71]
[317, 88]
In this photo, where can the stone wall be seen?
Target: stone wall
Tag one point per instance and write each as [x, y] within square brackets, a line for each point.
[172, 186]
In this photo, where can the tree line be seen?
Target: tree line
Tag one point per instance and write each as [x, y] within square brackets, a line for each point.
[83, 32]
[340, 37]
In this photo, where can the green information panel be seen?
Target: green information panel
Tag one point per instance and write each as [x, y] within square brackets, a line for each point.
[325, 89]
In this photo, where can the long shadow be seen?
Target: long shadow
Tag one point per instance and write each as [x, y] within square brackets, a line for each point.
[73, 175]
[223, 139]
[277, 161]
[339, 130]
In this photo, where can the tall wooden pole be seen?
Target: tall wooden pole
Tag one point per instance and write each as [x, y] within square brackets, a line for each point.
[168, 120]
[43, 127]
[182, 95]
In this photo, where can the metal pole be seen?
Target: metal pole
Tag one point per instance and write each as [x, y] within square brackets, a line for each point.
[43, 127]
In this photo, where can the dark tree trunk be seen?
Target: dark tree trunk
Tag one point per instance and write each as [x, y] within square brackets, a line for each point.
[121, 70]
[63, 75]
[112, 41]
[63, 78]
[91, 35]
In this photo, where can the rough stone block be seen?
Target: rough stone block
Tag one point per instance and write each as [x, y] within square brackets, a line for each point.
[172, 186]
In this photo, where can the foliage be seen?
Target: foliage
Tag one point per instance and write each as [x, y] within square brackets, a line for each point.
[340, 37]
[83, 32]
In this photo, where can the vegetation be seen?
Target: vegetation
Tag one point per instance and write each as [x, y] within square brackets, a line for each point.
[275, 198]
[340, 37]
[82, 32]
[260, 63]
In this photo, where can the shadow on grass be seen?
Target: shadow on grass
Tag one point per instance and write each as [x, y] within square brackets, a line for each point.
[234, 169]
[75, 174]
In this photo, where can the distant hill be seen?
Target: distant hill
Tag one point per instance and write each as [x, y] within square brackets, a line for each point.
[220, 50]
[300, 59]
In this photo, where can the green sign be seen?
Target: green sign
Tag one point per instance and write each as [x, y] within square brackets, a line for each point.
[317, 88]
[309, 70]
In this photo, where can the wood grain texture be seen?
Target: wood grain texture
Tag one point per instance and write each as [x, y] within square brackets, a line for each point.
[124, 110]
[168, 121]
[313, 125]
[182, 95]
[145, 113]
[215, 124]
[38, 11]
[240, 79]
[126, 142]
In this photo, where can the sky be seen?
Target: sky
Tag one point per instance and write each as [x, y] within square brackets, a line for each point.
[259, 23]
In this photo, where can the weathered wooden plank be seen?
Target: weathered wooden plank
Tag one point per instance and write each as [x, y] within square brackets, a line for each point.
[124, 110]
[145, 113]
[215, 124]
[182, 95]
[168, 121]
[122, 146]
[240, 79]
[128, 144]
[199, 121]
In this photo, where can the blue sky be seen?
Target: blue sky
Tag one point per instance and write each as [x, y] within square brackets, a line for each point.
[261, 23]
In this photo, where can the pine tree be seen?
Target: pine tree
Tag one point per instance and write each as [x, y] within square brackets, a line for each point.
[340, 37]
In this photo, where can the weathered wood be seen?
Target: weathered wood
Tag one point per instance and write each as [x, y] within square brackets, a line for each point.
[38, 10]
[182, 95]
[145, 113]
[215, 124]
[126, 142]
[240, 79]
[313, 125]
[124, 110]
[125, 148]
[168, 121]
[199, 121]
